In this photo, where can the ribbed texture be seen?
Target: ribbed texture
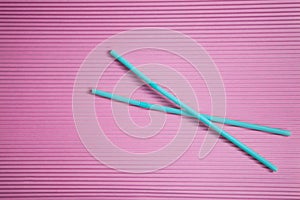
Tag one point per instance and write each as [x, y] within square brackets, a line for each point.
[255, 44]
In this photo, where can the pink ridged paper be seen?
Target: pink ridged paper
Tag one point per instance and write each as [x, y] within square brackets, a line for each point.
[254, 44]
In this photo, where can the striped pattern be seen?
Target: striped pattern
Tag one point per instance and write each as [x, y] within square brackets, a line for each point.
[255, 44]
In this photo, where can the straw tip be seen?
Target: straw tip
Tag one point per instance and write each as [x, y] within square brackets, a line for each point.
[288, 133]
[113, 53]
[273, 168]
[93, 91]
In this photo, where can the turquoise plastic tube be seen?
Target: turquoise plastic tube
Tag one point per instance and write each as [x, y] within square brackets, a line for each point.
[194, 113]
[176, 111]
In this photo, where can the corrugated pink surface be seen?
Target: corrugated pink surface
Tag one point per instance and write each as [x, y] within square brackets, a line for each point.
[255, 44]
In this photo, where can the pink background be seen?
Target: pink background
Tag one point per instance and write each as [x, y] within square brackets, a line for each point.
[255, 44]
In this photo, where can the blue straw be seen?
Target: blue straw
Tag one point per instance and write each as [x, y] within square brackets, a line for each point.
[176, 111]
[194, 113]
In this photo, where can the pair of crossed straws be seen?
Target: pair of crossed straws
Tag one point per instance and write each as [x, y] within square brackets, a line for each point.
[188, 111]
